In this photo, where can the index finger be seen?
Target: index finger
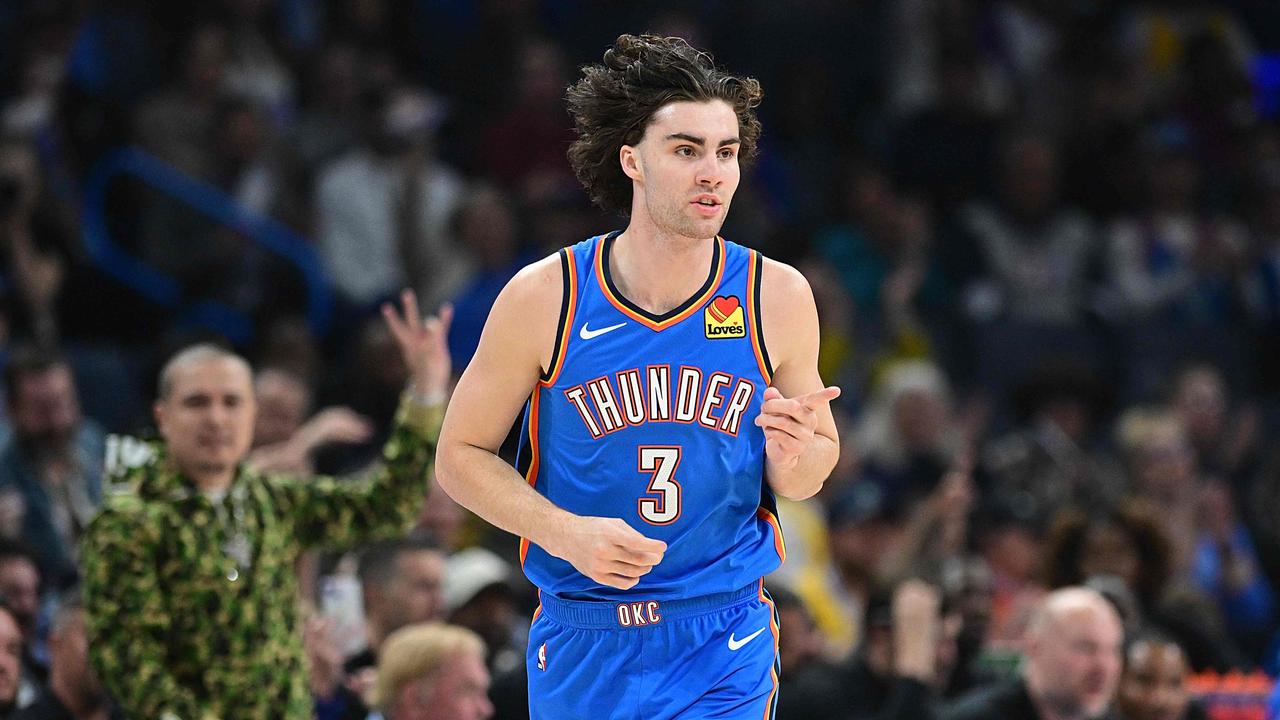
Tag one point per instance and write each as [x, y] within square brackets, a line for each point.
[818, 398]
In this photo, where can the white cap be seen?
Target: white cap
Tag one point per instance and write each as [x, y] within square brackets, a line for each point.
[468, 572]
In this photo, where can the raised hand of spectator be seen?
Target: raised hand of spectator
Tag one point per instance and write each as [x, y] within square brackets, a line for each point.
[324, 666]
[916, 625]
[334, 425]
[423, 343]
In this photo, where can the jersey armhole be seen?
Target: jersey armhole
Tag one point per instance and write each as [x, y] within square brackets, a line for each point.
[568, 300]
[754, 275]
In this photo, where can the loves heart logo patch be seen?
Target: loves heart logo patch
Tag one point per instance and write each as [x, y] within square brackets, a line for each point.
[723, 319]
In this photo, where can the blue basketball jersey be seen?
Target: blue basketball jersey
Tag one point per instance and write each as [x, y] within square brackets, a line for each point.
[651, 418]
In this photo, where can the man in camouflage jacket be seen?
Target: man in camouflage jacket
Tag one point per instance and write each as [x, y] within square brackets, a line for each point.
[189, 573]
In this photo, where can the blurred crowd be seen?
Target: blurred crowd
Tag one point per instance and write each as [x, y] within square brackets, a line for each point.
[1044, 239]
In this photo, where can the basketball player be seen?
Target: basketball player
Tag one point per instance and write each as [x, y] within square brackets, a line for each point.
[670, 388]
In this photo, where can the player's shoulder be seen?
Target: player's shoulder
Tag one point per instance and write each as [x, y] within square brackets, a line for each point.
[782, 283]
[536, 290]
[542, 271]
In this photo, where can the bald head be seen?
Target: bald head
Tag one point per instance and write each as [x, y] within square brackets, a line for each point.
[194, 355]
[1073, 653]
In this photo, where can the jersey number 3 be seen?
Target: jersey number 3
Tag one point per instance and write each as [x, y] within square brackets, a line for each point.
[660, 461]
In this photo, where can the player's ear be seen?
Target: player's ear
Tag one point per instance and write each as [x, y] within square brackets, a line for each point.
[632, 167]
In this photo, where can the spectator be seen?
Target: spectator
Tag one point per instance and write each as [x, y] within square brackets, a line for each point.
[1009, 541]
[906, 656]
[433, 671]
[1038, 255]
[16, 691]
[1227, 569]
[20, 586]
[487, 231]
[1170, 262]
[329, 124]
[75, 692]
[1225, 438]
[967, 587]
[1129, 544]
[1072, 665]
[35, 243]
[177, 627]
[1050, 460]
[479, 594]
[383, 210]
[371, 383]
[1162, 468]
[866, 533]
[809, 685]
[1154, 683]
[523, 145]
[254, 68]
[402, 583]
[51, 469]
[908, 437]
[879, 238]
[177, 123]
[284, 439]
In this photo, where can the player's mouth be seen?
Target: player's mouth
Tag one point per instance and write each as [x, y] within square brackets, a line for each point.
[706, 205]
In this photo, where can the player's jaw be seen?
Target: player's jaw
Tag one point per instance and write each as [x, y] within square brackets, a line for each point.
[697, 215]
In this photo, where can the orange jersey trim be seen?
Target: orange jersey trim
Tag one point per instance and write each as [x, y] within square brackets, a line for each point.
[531, 475]
[647, 322]
[778, 543]
[563, 332]
[773, 669]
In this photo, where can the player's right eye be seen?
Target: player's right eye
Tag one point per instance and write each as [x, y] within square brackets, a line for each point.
[684, 151]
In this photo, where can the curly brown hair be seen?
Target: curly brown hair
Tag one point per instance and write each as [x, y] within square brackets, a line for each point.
[613, 102]
[1138, 520]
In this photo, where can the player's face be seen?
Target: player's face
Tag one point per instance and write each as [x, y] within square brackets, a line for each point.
[685, 167]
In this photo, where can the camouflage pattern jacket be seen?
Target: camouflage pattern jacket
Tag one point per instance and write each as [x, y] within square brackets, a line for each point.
[193, 604]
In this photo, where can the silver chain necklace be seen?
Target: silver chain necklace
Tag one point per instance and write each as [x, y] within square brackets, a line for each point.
[237, 545]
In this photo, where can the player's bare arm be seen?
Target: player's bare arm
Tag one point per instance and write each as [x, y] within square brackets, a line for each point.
[801, 443]
[515, 348]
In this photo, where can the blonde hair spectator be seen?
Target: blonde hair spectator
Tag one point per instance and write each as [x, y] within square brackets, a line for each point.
[433, 665]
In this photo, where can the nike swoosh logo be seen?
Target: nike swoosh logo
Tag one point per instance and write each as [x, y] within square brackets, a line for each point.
[587, 334]
[735, 644]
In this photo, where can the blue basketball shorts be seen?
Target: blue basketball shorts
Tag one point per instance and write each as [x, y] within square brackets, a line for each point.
[714, 656]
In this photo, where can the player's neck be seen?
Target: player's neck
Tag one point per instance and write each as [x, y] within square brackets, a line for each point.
[658, 271]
